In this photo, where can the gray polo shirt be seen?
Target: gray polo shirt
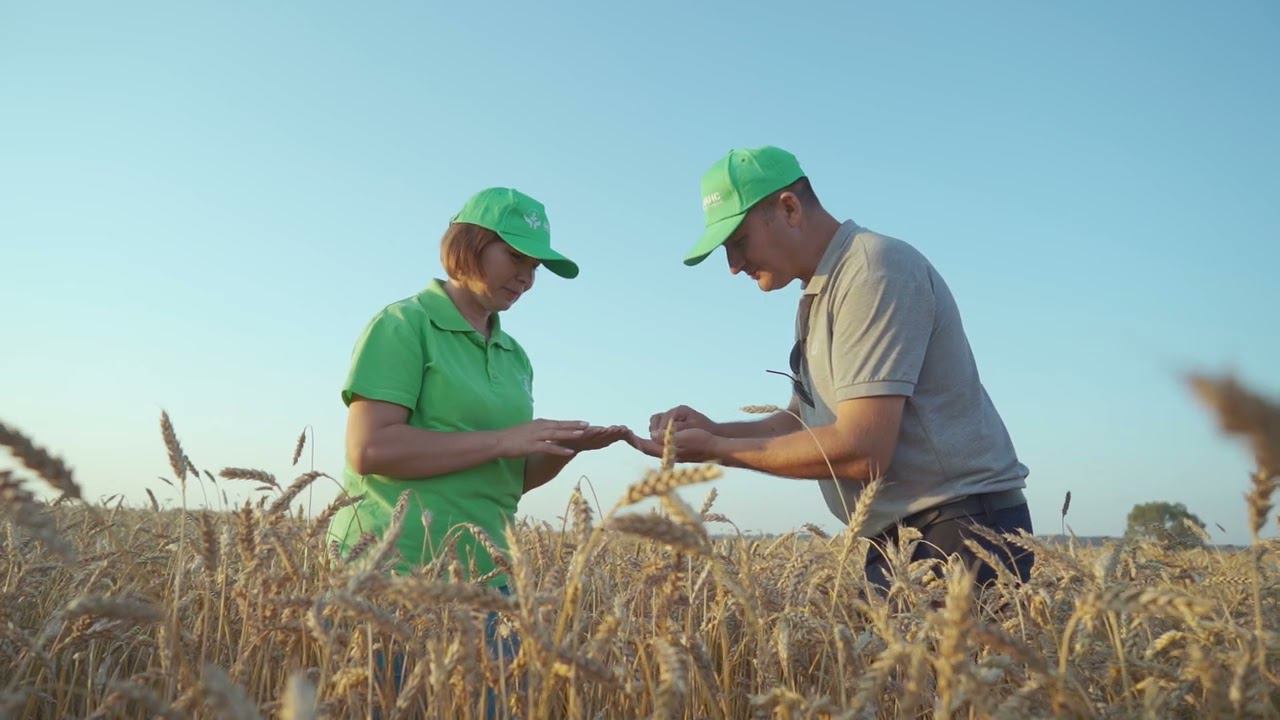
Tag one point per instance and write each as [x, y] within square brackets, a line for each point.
[881, 321]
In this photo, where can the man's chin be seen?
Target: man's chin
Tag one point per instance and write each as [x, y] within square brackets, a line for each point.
[769, 283]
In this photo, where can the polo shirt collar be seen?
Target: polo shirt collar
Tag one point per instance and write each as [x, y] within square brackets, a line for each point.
[444, 315]
[836, 250]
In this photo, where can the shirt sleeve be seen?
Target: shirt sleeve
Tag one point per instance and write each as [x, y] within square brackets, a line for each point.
[881, 329]
[388, 361]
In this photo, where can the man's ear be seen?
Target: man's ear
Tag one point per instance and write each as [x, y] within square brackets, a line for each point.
[792, 209]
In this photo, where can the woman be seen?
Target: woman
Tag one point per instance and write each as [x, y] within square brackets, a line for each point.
[440, 397]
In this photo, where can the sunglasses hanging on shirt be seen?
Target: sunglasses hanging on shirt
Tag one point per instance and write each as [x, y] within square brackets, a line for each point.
[797, 386]
[797, 355]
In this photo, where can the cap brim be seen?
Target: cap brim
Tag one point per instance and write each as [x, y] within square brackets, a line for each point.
[712, 238]
[552, 260]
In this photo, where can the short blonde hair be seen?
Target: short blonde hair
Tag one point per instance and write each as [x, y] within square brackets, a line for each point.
[460, 250]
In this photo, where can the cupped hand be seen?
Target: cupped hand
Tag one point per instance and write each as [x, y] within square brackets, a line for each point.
[694, 445]
[682, 417]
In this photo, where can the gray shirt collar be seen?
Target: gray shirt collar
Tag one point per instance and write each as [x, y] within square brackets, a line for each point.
[836, 250]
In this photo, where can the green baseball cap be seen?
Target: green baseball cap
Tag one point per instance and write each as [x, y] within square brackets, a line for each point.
[733, 185]
[519, 220]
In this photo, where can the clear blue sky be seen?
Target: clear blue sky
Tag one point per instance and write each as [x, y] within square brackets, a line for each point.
[200, 207]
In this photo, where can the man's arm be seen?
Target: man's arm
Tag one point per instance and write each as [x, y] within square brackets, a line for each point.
[778, 423]
[684, 417]
[858, 446]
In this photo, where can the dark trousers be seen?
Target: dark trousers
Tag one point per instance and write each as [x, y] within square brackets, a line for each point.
[945, 538]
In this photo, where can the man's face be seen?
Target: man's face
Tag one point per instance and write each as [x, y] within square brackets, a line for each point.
[760, 247]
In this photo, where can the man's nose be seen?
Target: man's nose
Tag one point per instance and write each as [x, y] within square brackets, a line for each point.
[735, 260]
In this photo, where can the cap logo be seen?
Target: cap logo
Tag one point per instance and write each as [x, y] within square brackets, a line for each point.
[711, 200]
[535, 221]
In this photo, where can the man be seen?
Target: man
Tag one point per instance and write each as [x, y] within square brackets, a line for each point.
[883, 375]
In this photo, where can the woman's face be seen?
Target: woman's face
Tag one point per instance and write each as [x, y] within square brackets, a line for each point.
[505, 275]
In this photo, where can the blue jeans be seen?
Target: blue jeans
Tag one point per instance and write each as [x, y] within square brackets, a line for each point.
[504, 649]
[501, 649]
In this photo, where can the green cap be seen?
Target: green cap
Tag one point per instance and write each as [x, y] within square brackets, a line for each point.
[733, 185]
[519, 220]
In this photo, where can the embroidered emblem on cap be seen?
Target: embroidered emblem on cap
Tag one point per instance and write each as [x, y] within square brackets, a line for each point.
[535, 221]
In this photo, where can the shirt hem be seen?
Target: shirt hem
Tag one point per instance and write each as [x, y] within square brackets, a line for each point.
[391, 396]
[874, 388]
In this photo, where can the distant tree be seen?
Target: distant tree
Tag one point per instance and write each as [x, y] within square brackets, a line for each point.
[1168, 523]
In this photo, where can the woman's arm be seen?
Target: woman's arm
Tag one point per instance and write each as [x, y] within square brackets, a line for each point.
[380, 441]
[541, 469]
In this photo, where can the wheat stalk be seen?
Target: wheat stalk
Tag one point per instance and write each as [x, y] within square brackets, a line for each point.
[385, 548]
[672, 686]
[20, 506]
[299, 484]
[816, 531]
[661, 482]
[225, 697]
[415, 591]
[177, 458]
[661, 530]
[40, 461]
[209, 547]
[118, 608]
[260, 476]
[1242, 412]
[322, 520]
[297, 448]
[862, 508]
[299, 702]
[580, 511]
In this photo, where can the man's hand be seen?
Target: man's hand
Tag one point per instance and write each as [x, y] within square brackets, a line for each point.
[682, 417]
[692, 445]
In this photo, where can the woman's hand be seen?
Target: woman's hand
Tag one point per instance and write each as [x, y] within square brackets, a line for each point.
[551, 437]
[546, 461]
[596, 437]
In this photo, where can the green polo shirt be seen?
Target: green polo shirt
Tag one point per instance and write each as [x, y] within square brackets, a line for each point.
[420, 353]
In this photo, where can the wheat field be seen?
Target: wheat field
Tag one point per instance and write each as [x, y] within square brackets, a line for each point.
[644, 608]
